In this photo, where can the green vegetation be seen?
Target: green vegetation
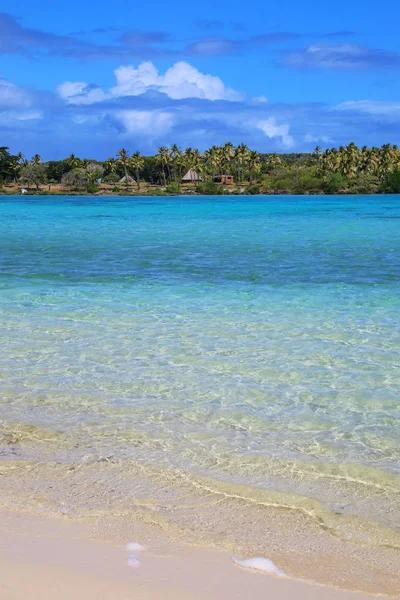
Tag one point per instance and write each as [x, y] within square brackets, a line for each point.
[173, 188]
[209, 188]
[347, 170]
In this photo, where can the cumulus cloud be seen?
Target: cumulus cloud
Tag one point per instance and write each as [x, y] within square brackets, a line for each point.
[79, 92]
[272, 130]
[71, 89]
[146, 122]
[16, 105]
[342, 56]
[147, 107]
[182, 80]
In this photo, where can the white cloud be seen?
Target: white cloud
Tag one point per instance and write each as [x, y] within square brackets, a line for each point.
[260, 99]
[12, 96]
[309, 138]
[15, 104]
[79, 92]
[133, 82]
[14, 116]
[29, 115]
[370, 107]
[184, 81]
[68, 89]
[342, 56]
[273, 130]
[180, 81]
[151, 123]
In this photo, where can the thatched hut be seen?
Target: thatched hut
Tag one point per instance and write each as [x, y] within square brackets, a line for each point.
[127, 179]
[191, 176]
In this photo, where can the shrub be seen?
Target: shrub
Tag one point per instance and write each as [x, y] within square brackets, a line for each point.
[391, 185]
[92, 187]
[309, 183]
[75, 180]
[282, 183]
[209, 188]
[111, 178]
[334, 182]
[157, 191]
[253, 189]
[173, 188]
[365, 183]
[116, 189]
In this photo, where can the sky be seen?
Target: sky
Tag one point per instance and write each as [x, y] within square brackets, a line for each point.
[90, 77]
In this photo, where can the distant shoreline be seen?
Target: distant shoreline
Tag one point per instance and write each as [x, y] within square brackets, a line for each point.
[185, 192]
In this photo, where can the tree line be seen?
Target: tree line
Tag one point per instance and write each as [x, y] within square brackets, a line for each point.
[348, 169]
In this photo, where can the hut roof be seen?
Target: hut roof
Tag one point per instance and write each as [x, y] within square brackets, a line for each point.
[191, 175]
[128, 179]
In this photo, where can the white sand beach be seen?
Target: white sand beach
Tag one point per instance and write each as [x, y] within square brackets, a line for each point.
[56, 559]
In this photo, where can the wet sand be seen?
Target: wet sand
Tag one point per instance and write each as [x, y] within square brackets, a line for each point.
[57, 559]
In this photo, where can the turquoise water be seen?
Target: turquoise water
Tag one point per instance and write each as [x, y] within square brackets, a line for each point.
[167, 347]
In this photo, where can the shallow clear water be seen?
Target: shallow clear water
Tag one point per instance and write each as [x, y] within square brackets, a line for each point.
[194, 343]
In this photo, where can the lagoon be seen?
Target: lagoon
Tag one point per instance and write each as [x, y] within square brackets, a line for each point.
[228, 367]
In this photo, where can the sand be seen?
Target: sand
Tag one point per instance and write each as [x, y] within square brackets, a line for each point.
[43, 558]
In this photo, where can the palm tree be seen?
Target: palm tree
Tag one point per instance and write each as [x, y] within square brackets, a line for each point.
[137, 162]
[175, 158]
[350, 160]
[73, 161]
[272, 161]
[18, 164]
[387, 158]
[123, 157]
[241, 153]
[253, 160]
[36, 159]
[227, 154]
[110, 165]
[187, 156]
[212, 161]
[192, 161]
[21, 159]
[318, 153]
[163, 157]
[196, 161]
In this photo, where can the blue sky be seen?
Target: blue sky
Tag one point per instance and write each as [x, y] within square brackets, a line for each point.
[90, 77]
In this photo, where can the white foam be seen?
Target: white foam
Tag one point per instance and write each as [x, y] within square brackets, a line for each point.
[133, 548]
[259, 564]
[133, 562]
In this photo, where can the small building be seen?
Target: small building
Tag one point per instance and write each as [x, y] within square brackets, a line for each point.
[127, 179]
[191, 177]
[225, 179]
